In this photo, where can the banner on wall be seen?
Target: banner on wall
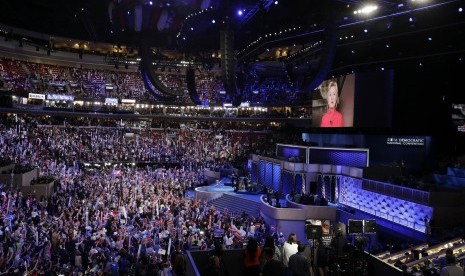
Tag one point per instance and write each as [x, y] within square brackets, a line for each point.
[111, 101]
[405, 141]
[56, 97]
[36, 96]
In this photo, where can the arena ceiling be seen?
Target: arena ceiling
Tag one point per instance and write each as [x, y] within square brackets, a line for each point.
[294, 32]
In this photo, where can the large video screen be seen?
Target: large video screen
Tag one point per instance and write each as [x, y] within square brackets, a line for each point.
[333, 102]
[356, 100]
[458, 117]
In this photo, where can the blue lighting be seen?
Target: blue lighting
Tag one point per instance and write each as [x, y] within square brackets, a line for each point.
[334, 156]
[398, 211]
[240, 12]
[276, 2]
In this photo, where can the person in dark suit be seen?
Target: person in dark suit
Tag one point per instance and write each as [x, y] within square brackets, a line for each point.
[299, 263]
[272, 266]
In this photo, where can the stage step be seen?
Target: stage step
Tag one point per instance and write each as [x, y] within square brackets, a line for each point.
[236, 204]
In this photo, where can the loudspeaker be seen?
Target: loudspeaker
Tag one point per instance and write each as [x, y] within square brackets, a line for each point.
[313, 231]
[369, 226]
[355, 226]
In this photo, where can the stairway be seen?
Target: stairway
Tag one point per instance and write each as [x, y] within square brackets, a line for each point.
[236, 204]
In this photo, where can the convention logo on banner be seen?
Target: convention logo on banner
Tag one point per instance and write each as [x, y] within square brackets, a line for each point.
[405, 141]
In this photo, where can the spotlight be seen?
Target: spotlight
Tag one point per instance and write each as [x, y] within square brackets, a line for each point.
[276, 2]
[150, 3]
[213, 21]
[240, 12]
[365, 31]
[192, 29]
[366, 9]
[460, 9]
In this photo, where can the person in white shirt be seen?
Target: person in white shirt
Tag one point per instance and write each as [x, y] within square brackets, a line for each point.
[228, 239]
[289, 249]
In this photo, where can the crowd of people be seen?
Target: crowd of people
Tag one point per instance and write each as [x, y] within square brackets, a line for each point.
[112, 219]
[194, 149]
[277, 90]
[89, 83]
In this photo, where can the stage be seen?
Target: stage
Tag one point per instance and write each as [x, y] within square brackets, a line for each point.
[222, 187]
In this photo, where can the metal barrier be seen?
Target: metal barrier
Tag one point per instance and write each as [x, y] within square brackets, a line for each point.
[401, 192]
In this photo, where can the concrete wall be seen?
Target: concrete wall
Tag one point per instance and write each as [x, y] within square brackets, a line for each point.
[312, 211]
[39, 189]
[19, 180]
[6, 168]
[201, 194]
[292, 220]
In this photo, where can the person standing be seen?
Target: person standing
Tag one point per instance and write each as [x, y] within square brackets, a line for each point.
[289, 249]
[299, 264]
[451, 269]
[252, 258]
[272, 266]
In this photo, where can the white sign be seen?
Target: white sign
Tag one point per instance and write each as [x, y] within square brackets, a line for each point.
[36, 96]
[130, 101]
[111, 101]
[405, 141]
[55, 97]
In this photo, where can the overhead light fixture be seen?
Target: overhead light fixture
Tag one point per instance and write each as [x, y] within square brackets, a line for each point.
[368, 9]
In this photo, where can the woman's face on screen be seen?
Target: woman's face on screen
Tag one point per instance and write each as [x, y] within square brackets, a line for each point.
[332, 96]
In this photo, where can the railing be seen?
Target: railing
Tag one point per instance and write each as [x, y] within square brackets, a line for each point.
[401, 192]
